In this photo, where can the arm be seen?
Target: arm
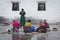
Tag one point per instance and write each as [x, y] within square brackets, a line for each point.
[19, 25]
[24, 13]
[20, 13]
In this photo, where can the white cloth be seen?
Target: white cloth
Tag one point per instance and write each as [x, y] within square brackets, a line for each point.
[21, 29]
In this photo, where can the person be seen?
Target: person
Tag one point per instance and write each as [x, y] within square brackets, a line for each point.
[28, 23]
[16, 26]
[27, 26]
[41, 27]
[22, 18]
[46, 24]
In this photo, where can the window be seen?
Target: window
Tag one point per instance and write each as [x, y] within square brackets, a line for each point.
[15, 6]
[41, 6]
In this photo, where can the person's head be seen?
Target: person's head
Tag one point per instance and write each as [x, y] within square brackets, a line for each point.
[44, 20]
[22, 9]
[29, 21]
[14, 20]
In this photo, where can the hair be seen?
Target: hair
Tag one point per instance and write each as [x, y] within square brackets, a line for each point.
[22, 9]
[14, 20]
[44, 20]
[29, 21]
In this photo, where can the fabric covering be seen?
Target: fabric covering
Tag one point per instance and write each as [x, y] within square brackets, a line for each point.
[28, 24]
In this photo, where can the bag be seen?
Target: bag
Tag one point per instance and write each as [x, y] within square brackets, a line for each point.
[32, 29]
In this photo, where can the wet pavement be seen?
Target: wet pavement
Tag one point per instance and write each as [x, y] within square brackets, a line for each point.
[41, 36]
[5, 37]
[52, 35]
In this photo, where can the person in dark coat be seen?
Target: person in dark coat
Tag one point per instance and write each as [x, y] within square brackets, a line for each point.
[46, 24]
[22, 18]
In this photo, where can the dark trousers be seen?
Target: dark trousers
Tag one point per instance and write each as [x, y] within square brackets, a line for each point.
[26, 29]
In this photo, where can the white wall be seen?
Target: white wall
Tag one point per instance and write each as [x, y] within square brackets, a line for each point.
[52, 12]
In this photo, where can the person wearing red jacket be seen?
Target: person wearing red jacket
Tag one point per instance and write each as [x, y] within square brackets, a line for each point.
[16, 25]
